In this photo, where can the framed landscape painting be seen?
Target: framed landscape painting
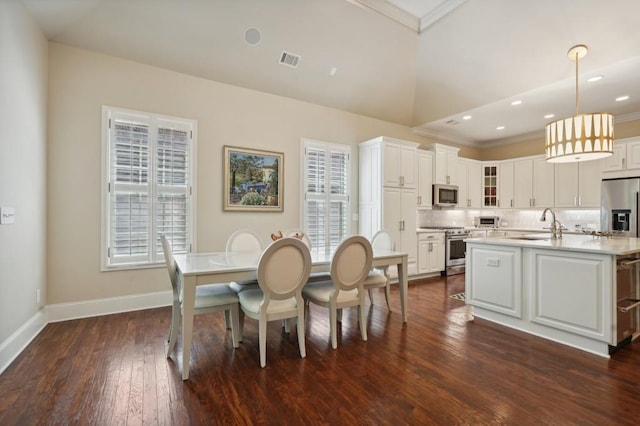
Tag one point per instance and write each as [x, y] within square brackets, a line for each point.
[253, 180]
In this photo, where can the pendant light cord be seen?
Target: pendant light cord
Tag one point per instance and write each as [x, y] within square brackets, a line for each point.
[577, 60]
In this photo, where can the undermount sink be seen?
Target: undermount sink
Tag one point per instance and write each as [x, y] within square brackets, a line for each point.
[530, 237]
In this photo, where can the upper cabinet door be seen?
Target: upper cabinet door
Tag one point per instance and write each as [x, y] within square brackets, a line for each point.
[399, 165]
[505, 185]
[425, 178]
[543, 183]
[522, 182]
[391, 161]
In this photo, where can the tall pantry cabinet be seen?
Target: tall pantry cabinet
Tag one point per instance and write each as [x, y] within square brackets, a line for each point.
[388, 194]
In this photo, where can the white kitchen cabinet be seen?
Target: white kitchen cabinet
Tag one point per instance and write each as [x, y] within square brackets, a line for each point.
[399, 163]
[578, 184]
[533, 183]
[430, 252]
[399, 219]
[505, 185]
[626, 156]
[389, 207]
[493, 278]
[469, 183]
[445, 165]
[425, 178]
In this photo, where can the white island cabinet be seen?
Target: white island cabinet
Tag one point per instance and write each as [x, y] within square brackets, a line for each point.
[579, 290]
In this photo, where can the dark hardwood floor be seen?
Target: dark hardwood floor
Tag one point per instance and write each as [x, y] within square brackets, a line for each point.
[442, 367]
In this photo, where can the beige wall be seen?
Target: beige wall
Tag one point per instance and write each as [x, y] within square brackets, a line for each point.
[536, 146]
[81, 82]
[23, 120]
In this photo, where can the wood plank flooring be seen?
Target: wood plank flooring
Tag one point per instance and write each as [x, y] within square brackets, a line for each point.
[442, 367]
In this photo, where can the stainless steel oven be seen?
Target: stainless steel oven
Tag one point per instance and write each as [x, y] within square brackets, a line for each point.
[455, 251]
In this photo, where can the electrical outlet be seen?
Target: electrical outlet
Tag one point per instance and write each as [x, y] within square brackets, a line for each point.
[38, 297]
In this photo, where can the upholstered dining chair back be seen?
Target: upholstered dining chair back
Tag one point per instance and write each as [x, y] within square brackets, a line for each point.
[171, 267]
[284, 268]
[245, 240]
[293, 232]
[351, 263]
[383, 240]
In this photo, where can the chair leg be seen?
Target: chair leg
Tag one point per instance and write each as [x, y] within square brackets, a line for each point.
[363, 324]
[235, 324]
[371, 295]
[262, 337]
[386, 295]
[301, 343]
[286, 325]
[173, 329]
[240, 324]
[333, 320]
[227, 319]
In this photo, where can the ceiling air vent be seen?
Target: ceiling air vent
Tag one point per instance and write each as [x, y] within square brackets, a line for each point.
[289, 59]
[452, 122]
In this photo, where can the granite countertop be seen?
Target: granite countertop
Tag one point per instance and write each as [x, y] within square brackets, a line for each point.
[619, 246]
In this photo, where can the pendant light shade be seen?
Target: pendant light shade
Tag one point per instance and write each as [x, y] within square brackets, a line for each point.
[582, 137]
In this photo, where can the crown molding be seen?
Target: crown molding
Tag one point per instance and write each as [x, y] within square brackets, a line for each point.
[440, 11]
[627, 117]
[391, 11]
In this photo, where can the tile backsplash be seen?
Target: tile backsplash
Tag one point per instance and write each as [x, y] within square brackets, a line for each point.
[526, 219]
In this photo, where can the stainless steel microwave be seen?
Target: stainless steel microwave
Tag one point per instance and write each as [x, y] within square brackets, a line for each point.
[445, 195]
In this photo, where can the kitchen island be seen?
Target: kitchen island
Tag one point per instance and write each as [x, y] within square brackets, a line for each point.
[579, 290]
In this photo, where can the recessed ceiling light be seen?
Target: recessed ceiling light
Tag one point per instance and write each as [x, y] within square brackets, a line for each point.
[594, 79]
[333, 71]
[622, 98]
[549, 116]
[500, 128]
[518, 102]
[466, 117]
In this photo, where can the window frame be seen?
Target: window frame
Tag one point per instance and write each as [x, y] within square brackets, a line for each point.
[328, 146]
[110, 113]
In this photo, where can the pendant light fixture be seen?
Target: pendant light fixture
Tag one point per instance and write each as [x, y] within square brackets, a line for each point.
[582, 137]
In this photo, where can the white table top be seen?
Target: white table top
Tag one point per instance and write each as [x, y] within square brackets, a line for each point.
[199, 263]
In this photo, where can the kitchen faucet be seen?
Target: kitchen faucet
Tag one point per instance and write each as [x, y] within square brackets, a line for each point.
[556, 226]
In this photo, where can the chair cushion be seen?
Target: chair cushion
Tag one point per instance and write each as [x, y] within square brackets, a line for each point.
[375, 279]
[319, 277]
[251, 300]
[322, 292]
[214, 295]
[239, 286]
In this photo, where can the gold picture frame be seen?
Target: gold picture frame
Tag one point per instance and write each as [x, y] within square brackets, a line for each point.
[253, 180]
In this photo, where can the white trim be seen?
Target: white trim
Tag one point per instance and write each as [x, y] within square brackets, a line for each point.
[443, 9]
[391, 11]
[111, 305]
[626, 117]
[18, 341]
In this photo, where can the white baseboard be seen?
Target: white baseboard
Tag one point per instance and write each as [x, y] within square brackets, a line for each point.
[112, 305]
[18, 341]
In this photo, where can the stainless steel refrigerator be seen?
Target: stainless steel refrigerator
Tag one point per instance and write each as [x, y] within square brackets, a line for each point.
[619, 206]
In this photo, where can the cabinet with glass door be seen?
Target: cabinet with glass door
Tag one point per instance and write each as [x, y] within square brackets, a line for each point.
[490, 185]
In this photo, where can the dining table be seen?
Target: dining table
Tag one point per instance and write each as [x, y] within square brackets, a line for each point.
[196, 269]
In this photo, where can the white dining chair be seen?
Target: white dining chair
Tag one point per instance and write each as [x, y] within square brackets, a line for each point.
[349, 268]
[209, 298]
[244, 240]
[283, 270]
[314, 276]
[378, 277]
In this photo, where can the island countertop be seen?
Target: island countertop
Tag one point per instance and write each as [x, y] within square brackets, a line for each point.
[618, 246]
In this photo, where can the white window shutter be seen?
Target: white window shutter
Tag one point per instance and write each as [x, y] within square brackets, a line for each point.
[149, 179]
[327, 194]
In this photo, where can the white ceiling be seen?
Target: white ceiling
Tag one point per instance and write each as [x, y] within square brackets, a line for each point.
[420, 63]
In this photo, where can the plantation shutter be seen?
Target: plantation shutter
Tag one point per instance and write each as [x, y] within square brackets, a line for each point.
[326, 197]
[149, 175]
